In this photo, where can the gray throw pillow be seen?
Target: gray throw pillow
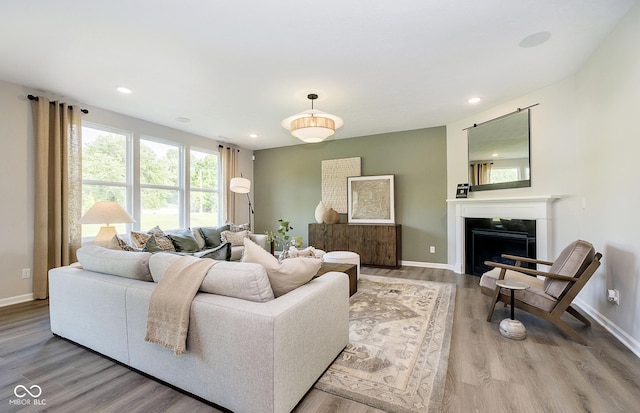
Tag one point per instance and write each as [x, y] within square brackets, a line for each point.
[220, 253]
[152, 245]
[184, 241]
[211, 235]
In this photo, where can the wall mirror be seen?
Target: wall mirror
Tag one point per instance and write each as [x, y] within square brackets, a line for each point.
[499, 152]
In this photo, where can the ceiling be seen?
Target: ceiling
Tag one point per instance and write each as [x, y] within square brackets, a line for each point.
[234, 68]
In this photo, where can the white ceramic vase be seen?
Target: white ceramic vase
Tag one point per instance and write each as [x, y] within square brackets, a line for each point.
[320, 210]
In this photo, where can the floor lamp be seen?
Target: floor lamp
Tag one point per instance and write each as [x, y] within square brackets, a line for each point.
[241, 185]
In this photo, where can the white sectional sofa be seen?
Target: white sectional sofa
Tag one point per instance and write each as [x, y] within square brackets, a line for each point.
[248, 354]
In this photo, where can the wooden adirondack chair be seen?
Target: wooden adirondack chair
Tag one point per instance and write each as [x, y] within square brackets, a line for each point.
[551, 297]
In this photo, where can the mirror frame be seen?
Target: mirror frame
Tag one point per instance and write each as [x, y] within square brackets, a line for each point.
[502, 185]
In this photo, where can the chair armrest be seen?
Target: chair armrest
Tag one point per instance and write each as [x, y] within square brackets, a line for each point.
[526, 259]
[530, 271]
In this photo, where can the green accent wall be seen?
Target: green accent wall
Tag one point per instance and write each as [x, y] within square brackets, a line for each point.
[287, 184]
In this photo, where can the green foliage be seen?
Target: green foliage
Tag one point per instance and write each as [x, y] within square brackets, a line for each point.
[281, 238]
[104, 159]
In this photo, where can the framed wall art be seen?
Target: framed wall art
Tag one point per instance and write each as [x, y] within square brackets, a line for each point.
[370, 199]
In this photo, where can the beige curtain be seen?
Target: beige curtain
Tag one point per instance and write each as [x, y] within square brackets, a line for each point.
[229, 158]
[58, 189]
[480, 173]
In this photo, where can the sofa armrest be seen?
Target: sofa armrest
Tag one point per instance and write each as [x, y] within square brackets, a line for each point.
[260, 239]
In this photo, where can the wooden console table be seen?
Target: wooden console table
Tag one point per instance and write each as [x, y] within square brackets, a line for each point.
[377, 245]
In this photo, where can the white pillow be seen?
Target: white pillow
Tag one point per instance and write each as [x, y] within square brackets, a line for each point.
[285, 276]
[122, 263]
[235, 238]
[232, 279]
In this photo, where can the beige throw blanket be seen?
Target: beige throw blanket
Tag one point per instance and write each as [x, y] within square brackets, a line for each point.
[170, 306]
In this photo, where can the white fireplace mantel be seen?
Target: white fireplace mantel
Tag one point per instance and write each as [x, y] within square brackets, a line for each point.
[537, 208]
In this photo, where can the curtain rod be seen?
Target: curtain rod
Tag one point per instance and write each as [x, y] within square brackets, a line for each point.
[228, 147]
[31, 97]
[500, 117]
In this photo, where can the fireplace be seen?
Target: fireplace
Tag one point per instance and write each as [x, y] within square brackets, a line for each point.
[537, 208]
[488, 238]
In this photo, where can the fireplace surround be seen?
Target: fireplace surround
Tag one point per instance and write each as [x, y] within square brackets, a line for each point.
[536, 208]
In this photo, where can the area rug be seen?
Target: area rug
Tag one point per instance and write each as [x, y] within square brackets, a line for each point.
[398, 351]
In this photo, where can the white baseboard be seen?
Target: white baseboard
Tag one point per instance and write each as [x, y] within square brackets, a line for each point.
[630, 342]
[16, 300]
[427, 265]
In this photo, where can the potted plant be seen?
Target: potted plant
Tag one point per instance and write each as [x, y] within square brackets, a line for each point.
[281, 237]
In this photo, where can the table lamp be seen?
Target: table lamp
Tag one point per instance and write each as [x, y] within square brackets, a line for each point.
[105, 212]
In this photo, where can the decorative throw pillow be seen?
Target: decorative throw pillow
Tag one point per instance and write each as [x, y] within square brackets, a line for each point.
[152, 245]
[118, 243]
[162, 239]
[221, 253]
[184, 241]
[139, 239]
[235, 238]
[285, 276]
[237, 228]
[211, 235]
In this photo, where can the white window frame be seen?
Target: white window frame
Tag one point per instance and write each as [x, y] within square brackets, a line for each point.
[128, 184]
[188, 188]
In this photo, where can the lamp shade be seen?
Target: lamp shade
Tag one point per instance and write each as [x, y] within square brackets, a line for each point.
[240, 185]
[106, 212]
[313, 125]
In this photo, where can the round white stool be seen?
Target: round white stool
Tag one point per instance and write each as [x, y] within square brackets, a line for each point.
[343, 257]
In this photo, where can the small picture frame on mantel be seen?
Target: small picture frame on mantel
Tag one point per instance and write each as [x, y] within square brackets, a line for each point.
[462, 191]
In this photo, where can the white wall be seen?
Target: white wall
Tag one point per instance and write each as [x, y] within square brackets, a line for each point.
[17, 171]
[16, 189]
[585, 144]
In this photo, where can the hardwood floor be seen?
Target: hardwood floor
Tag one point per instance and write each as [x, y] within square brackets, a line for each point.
[487, 373]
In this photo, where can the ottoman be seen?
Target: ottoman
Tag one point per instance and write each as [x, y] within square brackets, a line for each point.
[343, 257]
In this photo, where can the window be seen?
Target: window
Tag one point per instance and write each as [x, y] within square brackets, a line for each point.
[169, 189]
[105, 175]
[204, 188]
[160, 189]
[499, 175]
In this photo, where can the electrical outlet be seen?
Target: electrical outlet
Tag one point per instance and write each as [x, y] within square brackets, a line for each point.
[26, 273]
[432, 249]
[613, 296]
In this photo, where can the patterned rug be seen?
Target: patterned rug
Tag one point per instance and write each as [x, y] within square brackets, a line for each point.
[398, 351]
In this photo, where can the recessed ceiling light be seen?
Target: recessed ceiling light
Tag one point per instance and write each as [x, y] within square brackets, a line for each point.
[494, 154]
[535, 39]
[183, 119]
[253, 135]
[474, 100]
[123, 89]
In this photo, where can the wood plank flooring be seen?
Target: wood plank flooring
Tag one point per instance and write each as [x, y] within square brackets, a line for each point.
[487, 373]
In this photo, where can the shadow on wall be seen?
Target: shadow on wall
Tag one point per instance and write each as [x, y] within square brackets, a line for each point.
[622, 274]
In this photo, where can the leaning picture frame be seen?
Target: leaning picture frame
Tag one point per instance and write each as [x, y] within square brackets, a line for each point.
[370, 199]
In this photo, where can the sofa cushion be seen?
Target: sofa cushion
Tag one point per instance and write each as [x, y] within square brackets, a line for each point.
[235, 238]
[285, 276]
[211, 235]
[184, 241]
[571, 262]
[534, 295]
[127, 264]
[232, 279]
